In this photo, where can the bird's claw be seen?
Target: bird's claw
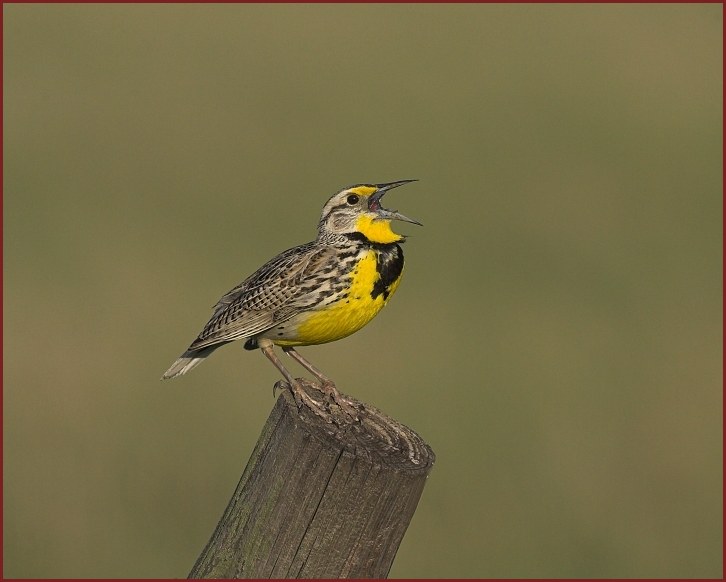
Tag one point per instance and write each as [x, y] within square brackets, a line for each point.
[329, 391]
[279, 385]
[333, 395]
[285, 385]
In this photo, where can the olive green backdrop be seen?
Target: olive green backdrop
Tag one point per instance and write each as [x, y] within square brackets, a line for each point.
[556, 337]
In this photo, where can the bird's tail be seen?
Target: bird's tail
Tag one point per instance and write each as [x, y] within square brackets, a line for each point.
[188, 360]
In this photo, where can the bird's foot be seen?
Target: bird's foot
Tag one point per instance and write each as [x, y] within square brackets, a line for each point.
[321, 409]
[346, 405]
[302, 398]
[279, 385]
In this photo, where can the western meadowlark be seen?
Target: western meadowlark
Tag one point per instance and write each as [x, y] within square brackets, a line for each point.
[314, 293]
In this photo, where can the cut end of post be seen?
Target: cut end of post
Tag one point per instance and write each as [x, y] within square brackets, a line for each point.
[373, 435]
[322, 496]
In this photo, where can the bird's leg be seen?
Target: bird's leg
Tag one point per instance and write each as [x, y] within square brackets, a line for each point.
[297, 390]
[290, 351]
[327, 386]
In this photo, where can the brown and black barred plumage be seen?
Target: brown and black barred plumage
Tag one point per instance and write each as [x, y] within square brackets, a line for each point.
[314, 293]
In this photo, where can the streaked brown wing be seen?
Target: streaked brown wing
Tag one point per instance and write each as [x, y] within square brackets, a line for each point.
[276, 292]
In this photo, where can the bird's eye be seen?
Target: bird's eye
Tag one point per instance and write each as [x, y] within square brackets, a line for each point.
[353, 199]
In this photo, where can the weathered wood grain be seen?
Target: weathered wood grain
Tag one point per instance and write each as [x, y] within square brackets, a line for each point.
[320, 498]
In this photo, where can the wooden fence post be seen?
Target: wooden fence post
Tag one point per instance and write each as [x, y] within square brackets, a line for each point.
[320, 500]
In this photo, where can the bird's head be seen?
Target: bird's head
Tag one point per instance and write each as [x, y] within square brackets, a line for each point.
[357, 210]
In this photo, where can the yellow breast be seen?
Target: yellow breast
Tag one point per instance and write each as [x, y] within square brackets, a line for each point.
[350, 313]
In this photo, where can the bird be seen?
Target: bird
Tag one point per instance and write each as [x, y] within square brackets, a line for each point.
[314, 293]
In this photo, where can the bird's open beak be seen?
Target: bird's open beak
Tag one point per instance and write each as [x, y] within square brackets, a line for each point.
[374, 202]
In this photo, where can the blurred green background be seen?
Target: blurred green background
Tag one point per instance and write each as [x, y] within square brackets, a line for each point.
[556, 339]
